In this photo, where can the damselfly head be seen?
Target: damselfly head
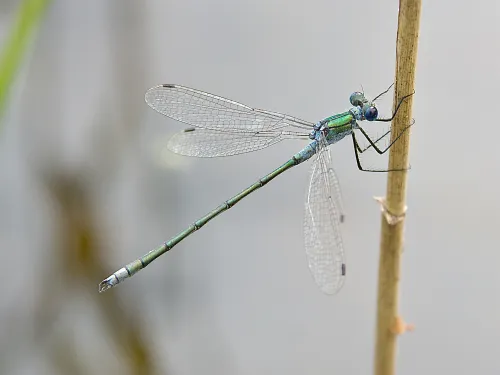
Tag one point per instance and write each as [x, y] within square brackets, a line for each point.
[357, 99]
[370, 112]
[367, 108]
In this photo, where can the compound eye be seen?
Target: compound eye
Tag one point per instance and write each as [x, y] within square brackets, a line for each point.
[371, 113]
[357, 98]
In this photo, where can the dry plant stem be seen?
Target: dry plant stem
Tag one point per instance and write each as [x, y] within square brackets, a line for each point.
[392, 234]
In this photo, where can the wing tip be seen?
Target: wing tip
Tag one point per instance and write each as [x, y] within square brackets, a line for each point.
[151, 91]
[164, 85]
[332, 290]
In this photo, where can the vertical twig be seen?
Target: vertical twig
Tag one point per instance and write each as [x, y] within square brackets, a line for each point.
[394, 204]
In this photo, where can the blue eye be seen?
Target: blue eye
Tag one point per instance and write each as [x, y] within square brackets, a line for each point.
[357, 98]
[371, 113]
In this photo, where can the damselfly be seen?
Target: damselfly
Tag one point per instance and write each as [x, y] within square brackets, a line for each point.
[222, 127]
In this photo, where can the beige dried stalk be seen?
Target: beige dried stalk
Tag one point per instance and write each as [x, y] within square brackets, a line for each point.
[394, 204]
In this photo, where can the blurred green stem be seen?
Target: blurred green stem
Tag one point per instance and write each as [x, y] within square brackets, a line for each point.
[28, 16]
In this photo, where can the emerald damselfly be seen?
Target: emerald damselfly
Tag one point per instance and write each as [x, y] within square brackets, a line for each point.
[223, 127]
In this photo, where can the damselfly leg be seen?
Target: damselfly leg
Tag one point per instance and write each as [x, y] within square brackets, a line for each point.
[358, 150]
[397, 108]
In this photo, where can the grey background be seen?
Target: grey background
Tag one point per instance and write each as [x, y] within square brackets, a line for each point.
[237, 297]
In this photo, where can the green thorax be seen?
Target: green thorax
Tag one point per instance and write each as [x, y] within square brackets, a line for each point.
[340, 122]
[339, 126]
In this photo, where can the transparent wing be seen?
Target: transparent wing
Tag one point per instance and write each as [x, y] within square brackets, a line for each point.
[204, 110]
[323, 241]
[334, 186]
[206, 143]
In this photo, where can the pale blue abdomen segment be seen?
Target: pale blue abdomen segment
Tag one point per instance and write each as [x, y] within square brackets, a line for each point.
[306, 152]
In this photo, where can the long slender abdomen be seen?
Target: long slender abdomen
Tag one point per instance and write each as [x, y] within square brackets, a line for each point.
[140, 263]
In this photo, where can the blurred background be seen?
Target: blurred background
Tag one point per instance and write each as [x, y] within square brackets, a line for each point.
[88, 185]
